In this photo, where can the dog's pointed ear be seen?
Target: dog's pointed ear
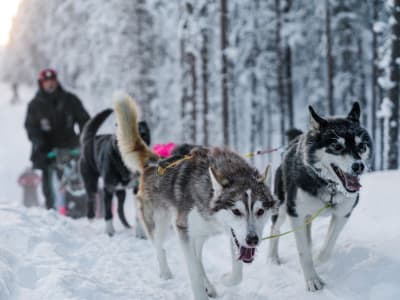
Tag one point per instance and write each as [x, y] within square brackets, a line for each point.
[316, 121]
[264, 178]
[355, 112]
[217, 184]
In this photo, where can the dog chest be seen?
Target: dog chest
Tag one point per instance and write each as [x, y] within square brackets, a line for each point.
[199, 225]
[307, 204]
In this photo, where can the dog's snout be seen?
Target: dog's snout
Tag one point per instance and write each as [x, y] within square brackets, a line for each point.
[358, 167]
[252, 239]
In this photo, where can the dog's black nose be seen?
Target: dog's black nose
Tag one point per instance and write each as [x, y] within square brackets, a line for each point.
[358, 167]
[252, 239]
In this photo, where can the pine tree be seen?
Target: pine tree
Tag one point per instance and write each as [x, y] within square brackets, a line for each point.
[394, 94]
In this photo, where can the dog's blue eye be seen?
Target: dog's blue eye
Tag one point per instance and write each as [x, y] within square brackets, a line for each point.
[236, 212]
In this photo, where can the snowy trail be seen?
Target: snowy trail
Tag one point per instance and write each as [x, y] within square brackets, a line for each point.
[46, 256]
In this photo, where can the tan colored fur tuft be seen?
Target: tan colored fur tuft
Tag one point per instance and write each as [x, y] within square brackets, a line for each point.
[135, 153]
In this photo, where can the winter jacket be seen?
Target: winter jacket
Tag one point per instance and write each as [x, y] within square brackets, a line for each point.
[52, 121]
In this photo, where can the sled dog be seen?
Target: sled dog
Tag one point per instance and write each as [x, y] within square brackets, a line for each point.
[213, 191]
[321, 166]
[100, 157]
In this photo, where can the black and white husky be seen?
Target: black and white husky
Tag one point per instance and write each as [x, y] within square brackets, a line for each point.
[321, 166]
[215, 191]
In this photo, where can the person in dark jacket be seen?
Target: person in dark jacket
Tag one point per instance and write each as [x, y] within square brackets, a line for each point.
[54, 119]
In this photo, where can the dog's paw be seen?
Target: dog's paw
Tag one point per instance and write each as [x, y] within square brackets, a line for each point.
[211, 291]
[141, 236]
[139, 233]
[314, 284]
[274, 260]
[110, 228]
[90, 214]
[230, 279]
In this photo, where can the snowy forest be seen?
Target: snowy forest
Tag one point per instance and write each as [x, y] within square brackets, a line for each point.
[237, 73]
[234, 74]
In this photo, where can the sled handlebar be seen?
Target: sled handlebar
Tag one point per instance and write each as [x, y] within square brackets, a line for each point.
[73, 152]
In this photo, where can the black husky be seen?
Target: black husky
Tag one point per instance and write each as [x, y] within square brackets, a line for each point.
[101, 158]
[321, 170]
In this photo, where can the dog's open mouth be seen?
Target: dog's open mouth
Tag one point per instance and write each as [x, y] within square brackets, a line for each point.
[350, 182]
[246, 254]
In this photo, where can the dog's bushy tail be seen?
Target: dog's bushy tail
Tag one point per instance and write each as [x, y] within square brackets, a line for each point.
[134, 151]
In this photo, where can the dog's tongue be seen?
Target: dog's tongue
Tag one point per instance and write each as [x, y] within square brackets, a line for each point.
[247, 254]
[352, 182]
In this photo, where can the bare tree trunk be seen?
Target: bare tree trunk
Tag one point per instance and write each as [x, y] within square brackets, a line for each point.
[329, 60]
[254, 113]
[288, 72]
[193, 122]
[363, 97]
[224, 71]
[270, 129]
[189, 80]
[393, 152]
[374, 79]
[184, 95]
[204, 75]
[279, 73]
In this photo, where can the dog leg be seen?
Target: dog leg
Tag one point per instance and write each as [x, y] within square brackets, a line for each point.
[193, 264]
[273, 256]
[139, 229]
[313, 282]
[335, 227]
[235, 277]
[121, 195]
[211, 292]
[90, 181]
[309, 238]
[108, 212]
[159, 235]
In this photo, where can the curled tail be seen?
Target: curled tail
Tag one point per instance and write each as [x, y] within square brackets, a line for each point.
[93, 125]
[134, 151]
[89, 133]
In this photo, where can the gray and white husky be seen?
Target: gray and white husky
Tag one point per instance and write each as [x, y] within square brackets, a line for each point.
[215, 191]
[321, 166]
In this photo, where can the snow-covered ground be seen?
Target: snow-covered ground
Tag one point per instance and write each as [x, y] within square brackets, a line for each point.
[47, 256]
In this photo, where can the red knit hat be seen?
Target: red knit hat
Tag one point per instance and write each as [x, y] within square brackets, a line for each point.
[47, 74]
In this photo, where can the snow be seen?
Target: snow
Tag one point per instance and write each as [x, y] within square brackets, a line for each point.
[379, 27]
[14, 152]
[46, 256]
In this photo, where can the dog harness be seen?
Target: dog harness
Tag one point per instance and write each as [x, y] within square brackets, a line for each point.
[332, 189]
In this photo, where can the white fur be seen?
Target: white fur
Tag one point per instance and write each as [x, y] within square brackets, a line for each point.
[344, 162]
[126, 112]
[306, 206]
[217, 188]
[199, 228]
[110, 227]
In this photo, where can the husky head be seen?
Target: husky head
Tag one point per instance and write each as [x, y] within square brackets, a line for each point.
[339, 149]
[242, 208]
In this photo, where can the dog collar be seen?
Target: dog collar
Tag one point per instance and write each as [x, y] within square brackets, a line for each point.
[330, 185]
